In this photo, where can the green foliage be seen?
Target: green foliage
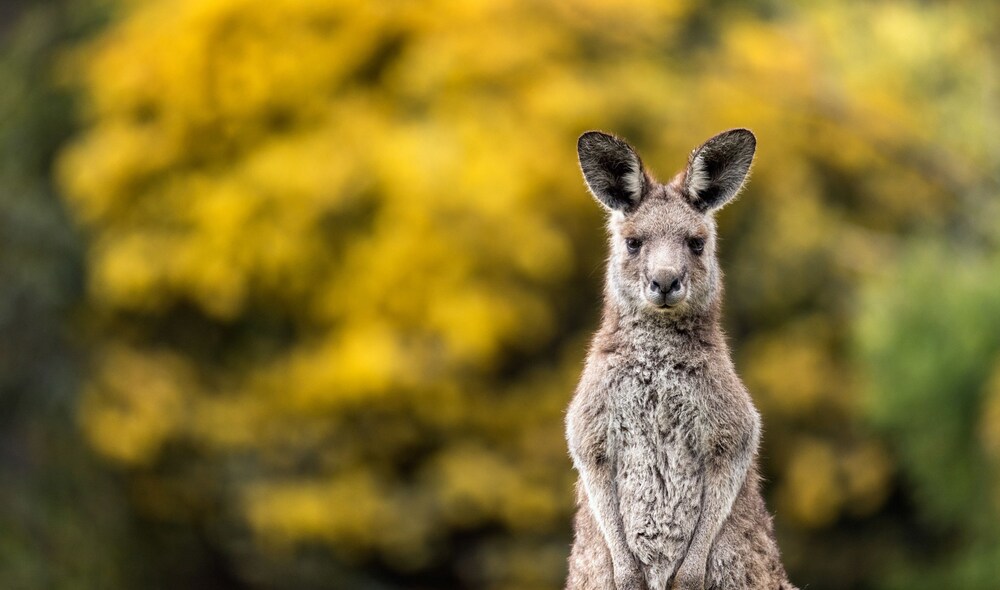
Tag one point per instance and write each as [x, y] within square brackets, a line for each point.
[930, 335]
[62, 523]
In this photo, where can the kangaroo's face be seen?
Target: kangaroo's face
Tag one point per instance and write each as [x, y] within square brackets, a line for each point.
[663, 253]
[663, 235]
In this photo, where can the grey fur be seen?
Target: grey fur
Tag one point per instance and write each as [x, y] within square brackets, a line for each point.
[661, 429]
[612, 169]
[717, 169]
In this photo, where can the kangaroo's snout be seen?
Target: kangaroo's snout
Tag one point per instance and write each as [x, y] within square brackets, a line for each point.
[667, 287]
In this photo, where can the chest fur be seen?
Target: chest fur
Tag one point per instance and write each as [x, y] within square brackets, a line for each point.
[657, 441]
[658, 401]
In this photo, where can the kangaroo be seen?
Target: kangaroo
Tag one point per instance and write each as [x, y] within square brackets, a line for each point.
[661, 430]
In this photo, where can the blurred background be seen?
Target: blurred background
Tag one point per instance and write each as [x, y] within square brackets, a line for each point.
[293, 293]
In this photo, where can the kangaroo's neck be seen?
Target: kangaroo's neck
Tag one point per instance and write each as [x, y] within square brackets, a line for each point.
[646, 329]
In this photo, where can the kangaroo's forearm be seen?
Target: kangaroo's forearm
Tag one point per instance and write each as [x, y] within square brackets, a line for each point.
[589, 445]
[725, 475]
[602, 498]
[719, 495]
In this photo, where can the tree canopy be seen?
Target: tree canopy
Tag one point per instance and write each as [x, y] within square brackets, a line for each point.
[341, 270]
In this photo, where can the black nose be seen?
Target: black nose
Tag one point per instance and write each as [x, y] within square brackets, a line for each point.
[666, 285]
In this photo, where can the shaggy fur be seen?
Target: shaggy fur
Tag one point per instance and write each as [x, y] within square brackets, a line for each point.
[661, 430]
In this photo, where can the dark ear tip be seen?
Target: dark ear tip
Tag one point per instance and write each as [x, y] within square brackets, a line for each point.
[743, 135]
[591, 137]
[739, 138]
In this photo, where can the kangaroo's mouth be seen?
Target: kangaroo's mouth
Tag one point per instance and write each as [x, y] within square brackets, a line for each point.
[664, 307]
[666, 300]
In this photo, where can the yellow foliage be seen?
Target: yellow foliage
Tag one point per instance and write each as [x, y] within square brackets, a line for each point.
[812, 492]
[136, 403]
[791, 372]
[867, 470]
[989, 429]
[361, 226]
[989, 421]
[353, 511]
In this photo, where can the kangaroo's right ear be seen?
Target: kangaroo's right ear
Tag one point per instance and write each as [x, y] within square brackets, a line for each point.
[612, 169]
[716, 170]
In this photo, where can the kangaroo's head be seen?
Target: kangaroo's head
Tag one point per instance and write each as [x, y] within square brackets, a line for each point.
[663, 235]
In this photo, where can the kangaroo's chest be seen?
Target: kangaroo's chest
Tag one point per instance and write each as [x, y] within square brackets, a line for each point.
[657, 408]
[657, 438]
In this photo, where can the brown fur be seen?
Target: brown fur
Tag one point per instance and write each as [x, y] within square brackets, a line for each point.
[661, 429]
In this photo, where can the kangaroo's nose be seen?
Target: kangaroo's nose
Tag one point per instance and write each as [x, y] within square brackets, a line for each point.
[666, 287]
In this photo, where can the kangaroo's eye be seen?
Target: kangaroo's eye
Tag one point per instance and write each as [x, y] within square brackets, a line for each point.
[633, 245]
[697, 245]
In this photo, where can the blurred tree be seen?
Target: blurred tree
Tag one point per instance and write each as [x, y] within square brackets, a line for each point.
[342, 267]
[59, 525]
[65, 520]
[930, 336]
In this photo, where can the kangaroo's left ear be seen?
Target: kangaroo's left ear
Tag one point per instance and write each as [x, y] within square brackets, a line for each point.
[612, 170]
[717, 169]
